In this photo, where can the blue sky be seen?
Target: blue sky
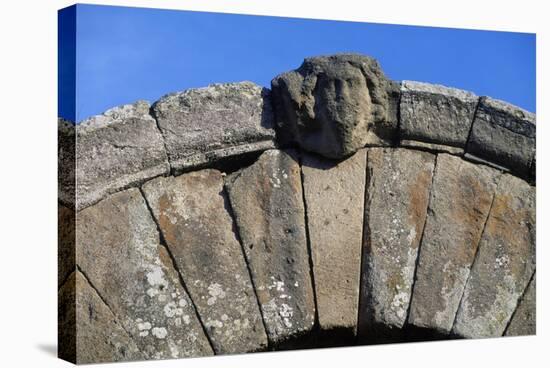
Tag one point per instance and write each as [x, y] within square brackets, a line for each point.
[125, 54]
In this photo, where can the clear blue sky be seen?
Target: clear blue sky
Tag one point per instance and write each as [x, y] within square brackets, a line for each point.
[125, 54]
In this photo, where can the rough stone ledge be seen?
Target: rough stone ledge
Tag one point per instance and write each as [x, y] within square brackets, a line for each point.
[196, 128]
[505, 135]
[435, 117]
[203, 125]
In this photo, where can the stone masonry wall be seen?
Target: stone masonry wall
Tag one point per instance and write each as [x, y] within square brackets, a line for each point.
[339, 207]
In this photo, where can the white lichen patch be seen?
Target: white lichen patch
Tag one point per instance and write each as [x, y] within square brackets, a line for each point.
[159, 332]
[216, 291]
[144, 326]
[156, 277]
[171, 310]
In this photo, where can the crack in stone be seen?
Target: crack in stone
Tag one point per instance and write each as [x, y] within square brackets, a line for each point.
[474, 261]
[163, 243]
[417, 260]
[130, 335]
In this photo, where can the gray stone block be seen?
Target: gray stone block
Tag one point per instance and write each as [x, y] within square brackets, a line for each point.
[267, 201]
[504, 264]
[116, 150]
[524, 319]
[203, 125]
[192, 213]
[66, 163]
[504, 135]
[397, 193]
[435, 117]
[460, 200]
[119, 251]
[100, 337]
[334, 105]
[66, 243]
[334, 194]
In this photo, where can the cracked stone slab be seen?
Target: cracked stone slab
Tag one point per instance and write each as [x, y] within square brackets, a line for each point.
[119, 251]
[335, 105]
[334, 194]
[120, 148]
[524, 320]
[460, 201]
[66, 242]
[267, 201]
[504, 135]
[435, 117]
[203, 125]
[89, 326]
[397, 193]
[192, 213]
[504, 264]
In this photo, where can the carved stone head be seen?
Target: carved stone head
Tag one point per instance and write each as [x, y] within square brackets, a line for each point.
[334, 105]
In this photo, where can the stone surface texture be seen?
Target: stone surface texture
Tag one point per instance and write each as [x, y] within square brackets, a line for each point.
[66, 162]
[435, 117]
[334, 194]
[66, 243]
[119, 251]
[267, 202]
[524, 320]
[339, 208]
[504, 264]
[460, 201]
[334, 105]
[192, 213]
[504, 135]
[115, 150]
[397, 193]
[100, 337]
[203, 125]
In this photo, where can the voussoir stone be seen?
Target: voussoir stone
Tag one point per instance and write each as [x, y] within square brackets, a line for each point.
[334, 194]
[334, 105]
[503, 135]
[435, 117]
[524, 320]
[203, 125]
[118, 149]
[460, 201]
[99, 337]
[119, 251]
[504, 264]
[267, 201]
[397, 193]
[191, 211]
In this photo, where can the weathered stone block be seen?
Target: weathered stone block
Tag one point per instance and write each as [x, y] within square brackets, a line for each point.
[334, 105]
[203, 125]
[504, 264]
[334, 194]
[118, 250]
[191, 211]
[524, 319]
[115, 150]
[268, 205]
[397, 193]
[460, 200]
[435, 117]
[90, 326]
[503, 135]
[66, 243]
[66, 162]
